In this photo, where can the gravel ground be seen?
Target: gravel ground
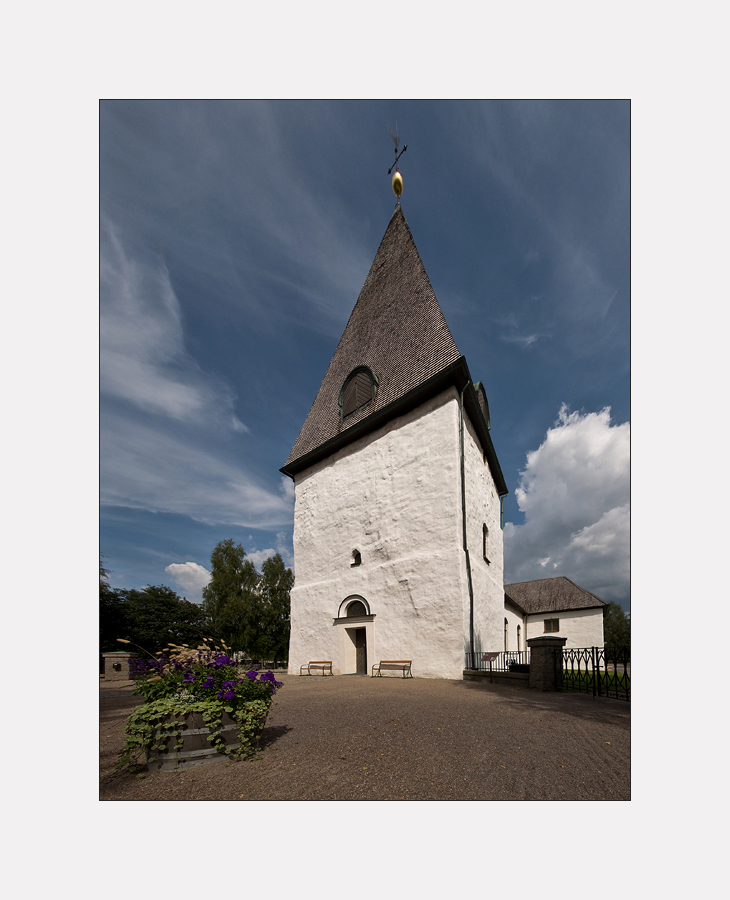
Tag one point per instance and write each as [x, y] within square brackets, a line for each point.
[355, 738]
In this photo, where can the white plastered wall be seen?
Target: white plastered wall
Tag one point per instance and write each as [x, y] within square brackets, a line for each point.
[395, 496]
[581, 627]
[515, 620]
[483, 508]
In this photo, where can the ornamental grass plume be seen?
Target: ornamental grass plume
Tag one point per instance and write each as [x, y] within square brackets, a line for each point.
[131, 643]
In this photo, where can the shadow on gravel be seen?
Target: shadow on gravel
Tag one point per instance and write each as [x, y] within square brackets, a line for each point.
[583, 706]
[271, 734]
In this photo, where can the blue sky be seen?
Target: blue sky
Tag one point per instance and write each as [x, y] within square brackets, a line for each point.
[235, 237]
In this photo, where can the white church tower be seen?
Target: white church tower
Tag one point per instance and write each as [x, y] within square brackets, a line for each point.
[397, 531]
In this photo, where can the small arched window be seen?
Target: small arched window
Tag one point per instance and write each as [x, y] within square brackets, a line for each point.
[359, 389]
[519, 638]
[356, 558]
[356, 608]
[485, 543]
[506, 635]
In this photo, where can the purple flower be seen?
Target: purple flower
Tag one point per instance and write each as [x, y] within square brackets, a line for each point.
[189, 678]
[252, 674]
[226, 695]
[229, 684]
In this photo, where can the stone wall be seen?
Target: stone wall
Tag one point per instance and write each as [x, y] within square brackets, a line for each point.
[513, 679]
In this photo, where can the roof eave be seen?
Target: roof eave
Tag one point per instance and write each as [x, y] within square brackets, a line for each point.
[541, 612]
[456, 374]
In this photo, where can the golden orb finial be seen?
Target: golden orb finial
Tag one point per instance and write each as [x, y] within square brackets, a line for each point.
[397, 177]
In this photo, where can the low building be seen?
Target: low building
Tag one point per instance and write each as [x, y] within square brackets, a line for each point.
[552, 606]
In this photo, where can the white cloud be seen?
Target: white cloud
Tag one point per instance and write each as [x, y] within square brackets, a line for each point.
[574, 492]
[258, 556]
[190, 578]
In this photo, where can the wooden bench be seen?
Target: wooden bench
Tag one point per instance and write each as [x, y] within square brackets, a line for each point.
[404, 665]
[322, 664]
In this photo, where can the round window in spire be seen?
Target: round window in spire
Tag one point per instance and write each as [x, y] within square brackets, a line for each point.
[359, 389]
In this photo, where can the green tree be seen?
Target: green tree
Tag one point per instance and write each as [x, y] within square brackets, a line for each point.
[230, 598]
[616, 627]
[274, 608]
[156, 616]
[111, 612]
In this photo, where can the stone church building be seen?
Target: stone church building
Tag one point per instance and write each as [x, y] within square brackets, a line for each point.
[398, 489]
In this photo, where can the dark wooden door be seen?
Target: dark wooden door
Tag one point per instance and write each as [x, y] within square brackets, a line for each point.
[361, 653]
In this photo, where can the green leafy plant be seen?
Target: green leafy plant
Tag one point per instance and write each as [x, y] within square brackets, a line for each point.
[182, 681]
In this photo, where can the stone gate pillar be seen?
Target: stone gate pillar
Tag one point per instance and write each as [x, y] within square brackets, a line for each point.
[116, 667]
[546, 659]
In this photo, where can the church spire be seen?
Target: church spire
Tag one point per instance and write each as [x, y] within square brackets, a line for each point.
[396, 332]
[395, 353]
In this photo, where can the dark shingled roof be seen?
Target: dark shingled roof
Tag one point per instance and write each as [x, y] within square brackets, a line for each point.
[551, 595]
[396, 329]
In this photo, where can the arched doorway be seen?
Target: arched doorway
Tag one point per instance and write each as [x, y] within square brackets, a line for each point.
[356, 610]
[355, 624]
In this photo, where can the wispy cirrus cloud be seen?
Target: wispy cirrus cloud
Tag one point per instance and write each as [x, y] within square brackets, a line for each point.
[245, 234]
[145, 467]
[523, 340]
[159, 408]
[142, 349]
[524, 148]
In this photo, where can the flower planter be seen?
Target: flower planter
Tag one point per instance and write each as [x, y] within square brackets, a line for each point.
[199, 708]
[196, 749]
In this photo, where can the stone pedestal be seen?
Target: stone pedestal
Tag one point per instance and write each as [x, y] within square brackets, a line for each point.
[546, 661]
[116, 667]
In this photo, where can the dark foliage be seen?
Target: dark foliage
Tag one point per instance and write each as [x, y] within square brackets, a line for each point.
[151, 618]
[247, 610]
[111, 613]
[616, 627]
[157, 616]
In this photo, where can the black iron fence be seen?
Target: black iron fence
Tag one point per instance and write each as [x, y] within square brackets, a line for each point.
[258, 664]
[601, 671]
[499, 661]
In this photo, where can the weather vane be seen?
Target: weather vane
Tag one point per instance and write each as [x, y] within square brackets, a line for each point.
[397, 177]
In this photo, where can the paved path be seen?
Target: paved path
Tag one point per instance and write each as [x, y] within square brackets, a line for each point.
[354, 738]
